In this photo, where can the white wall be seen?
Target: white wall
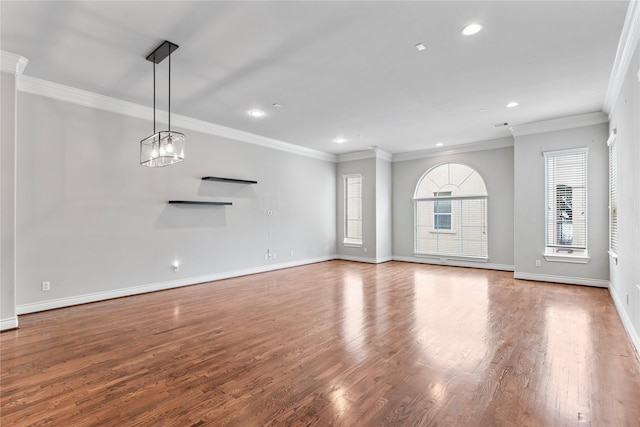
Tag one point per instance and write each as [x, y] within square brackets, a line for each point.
[8, 318]
[625, 275]
[496, 167]
[96, 224]
[530, 205]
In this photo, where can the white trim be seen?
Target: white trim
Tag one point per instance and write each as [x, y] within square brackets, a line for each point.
[93, 100]
[457, 149]
[613, 256]
[626, 322]
[561, 279]
[153, 287]
[444, 259]
[612, 137]
[9, 323]
[360, 155]
[12, 63]
[582, 259]
[562, 123]
[581, 120]
[351, 244]
[363, 259]
[455, 263]
[626, 49]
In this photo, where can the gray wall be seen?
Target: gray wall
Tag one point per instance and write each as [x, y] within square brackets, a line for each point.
[91, 220]
[496, 168]
[7, 203]
[384, 212]
[530, 202]
[625, 275]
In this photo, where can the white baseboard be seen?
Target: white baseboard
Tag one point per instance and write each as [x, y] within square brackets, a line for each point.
[363, 259]
[9, 323]
[455, 263]
[626, 322]
[135, 290]
[562, 279]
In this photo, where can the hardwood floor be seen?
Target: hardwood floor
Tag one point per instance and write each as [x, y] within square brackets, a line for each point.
[334, 343]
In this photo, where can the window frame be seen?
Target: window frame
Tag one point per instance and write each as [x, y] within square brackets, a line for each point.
[439, 197]
[483, 197]
[613, 195]
[348, 239]
[576, 254]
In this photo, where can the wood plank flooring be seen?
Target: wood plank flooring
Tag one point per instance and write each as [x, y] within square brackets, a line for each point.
[335, 343]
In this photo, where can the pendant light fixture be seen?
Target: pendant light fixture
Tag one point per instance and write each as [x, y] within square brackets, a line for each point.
[164, 147]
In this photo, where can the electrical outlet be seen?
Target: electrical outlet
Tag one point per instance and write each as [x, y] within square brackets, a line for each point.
[275, 255]
[46, 286]
[365, 250]
[291, 253]
[537, 263]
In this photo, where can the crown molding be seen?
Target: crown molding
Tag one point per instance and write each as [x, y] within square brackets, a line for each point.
[12, 63]
[626, 48]
[369, 154]
[457, 149]
[559, 124]
[93, 100]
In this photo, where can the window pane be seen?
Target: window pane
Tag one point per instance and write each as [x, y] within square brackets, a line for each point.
[353, 208]
[613, 197]
[566, 195]
[455, 227]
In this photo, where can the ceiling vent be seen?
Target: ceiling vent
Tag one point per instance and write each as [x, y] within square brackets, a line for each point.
[501, 125]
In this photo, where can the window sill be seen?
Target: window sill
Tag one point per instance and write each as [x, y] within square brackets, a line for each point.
[613, 256]
[443, 258]
[573, 259]
[352, 244]
[443, 232]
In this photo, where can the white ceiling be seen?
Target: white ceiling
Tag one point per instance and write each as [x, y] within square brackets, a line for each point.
[338, 68]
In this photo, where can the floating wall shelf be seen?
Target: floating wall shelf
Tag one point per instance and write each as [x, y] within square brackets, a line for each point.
[198, 202]
[235, 181]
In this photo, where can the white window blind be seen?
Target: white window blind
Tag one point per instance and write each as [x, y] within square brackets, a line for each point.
[613, 195]
[451, 213]
[466, 234]
[353, 209]
[566, 200]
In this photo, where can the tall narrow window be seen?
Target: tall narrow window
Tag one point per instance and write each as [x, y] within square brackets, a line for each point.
[451, 213]
[353, 209]
[613, 196]
[566, 204]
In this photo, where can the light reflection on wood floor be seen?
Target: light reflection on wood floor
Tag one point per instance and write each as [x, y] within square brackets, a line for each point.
[335, 343]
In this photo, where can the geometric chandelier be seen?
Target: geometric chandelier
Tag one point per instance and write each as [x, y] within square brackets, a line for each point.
[165, 147]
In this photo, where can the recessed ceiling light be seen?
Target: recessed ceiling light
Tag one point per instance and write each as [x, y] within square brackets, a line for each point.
[276, 105]
[339, 140]
[482, 110]
[256, 113]
[512, 104]
[420, 47]
[439, 144]
[471, 29]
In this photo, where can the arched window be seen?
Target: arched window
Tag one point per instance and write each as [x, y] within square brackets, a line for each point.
[451, 212]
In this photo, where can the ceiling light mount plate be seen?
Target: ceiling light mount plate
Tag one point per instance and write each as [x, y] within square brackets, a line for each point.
[162, 51]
